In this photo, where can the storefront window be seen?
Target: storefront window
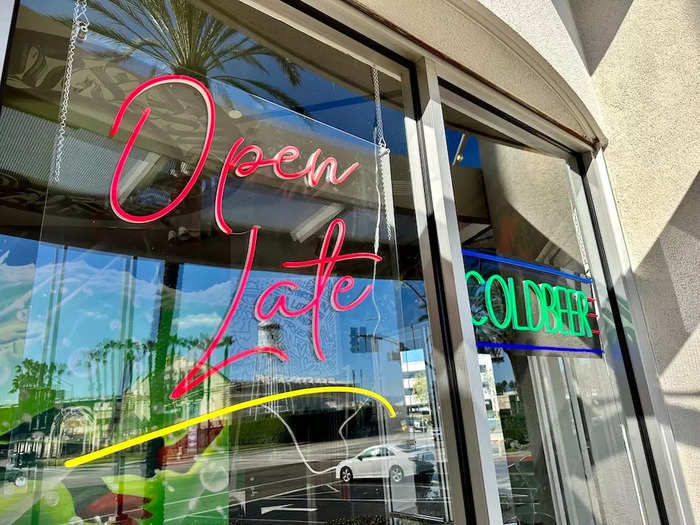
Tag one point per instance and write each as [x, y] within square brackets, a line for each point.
[553, 408]
[213, 306]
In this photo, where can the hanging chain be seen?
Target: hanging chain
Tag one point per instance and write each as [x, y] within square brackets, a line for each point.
[380, 151]
[378, 108]
[78, 32]
[579, 239]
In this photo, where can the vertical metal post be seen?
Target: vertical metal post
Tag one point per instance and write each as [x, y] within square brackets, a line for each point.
[467, 442]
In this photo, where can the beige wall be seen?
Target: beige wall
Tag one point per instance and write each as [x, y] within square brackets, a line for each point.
[461, 30]
[645, 66]
[543, 24]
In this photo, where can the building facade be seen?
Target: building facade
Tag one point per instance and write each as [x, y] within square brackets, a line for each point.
[349, 262]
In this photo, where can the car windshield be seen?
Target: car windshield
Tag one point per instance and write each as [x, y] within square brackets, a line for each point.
[406, 447]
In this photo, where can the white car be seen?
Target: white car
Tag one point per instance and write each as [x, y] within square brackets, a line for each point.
[381, 461]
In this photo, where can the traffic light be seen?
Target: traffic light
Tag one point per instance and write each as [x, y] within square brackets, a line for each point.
[359, 341]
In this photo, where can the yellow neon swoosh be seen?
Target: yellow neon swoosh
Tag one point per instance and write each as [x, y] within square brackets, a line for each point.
[97, 454]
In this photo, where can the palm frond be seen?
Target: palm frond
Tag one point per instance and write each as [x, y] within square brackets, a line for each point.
[186, 39]
[290, 69]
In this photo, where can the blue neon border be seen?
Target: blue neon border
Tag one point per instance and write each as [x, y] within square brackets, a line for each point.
[523, 264]
[511, 346]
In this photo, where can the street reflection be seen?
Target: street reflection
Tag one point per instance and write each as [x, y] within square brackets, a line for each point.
[259, 462]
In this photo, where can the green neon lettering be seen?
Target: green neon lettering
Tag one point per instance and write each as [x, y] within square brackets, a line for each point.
[564, 309]
[514, 306]
[559, 309]
[489, 303]
[574, 319]
[575, 313]
[530, 288]
[479, 279]
[582, 300]
[549, 308]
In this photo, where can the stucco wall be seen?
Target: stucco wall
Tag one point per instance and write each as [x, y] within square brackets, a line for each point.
[546, 26]
[458, 30]
[645, 66]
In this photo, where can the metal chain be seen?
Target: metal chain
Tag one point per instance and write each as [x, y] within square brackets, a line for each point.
[378, 108]
[380, 151]
[78, 31]
[579, 239]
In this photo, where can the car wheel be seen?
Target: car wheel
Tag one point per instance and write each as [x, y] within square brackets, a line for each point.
[396, 474]
[20, 481]
[346, 474]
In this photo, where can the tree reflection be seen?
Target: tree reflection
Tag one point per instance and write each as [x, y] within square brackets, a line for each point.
[189, 41]
[130, 351]
[33, 381]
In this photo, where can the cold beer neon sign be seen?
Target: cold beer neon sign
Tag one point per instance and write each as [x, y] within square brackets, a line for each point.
[553, 309]
[243, 161]
[520, 306]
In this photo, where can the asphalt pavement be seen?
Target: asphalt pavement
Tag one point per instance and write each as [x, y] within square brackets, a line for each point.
[337, 502]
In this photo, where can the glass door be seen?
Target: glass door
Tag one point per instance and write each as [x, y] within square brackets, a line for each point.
[547, 346]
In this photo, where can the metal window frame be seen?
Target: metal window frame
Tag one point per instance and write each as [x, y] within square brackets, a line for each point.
[644, 477]
[647, 428]
[341, 25]
[651, 446]
[444, 269]
[656, 440]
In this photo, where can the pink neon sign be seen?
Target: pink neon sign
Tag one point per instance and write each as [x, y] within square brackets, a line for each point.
[272, 301]
[211, 124]
[313, 170]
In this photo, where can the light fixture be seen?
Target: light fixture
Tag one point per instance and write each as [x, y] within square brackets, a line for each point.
[316, 221]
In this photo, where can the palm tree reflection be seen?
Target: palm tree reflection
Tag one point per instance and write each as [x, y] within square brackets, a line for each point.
[189, 41]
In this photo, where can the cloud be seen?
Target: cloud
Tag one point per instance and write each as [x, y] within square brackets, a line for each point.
[210, 320]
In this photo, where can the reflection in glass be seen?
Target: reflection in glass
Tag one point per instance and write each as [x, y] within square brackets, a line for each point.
[114, 329]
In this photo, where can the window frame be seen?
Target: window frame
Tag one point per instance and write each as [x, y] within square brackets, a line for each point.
[637, 437]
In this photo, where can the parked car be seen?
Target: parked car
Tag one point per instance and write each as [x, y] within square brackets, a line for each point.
[24, 460]
[13, 475]
[384, 461]
[425, 464]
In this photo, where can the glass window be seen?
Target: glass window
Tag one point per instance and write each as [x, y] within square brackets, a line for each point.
[552, 400]
[212, 298]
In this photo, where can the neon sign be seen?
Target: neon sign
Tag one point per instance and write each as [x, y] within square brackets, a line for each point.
[313, 170]
[209, 137]
[123, 445]
[559, 309]
[272, 301]
[531, 315]
[325, 264]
